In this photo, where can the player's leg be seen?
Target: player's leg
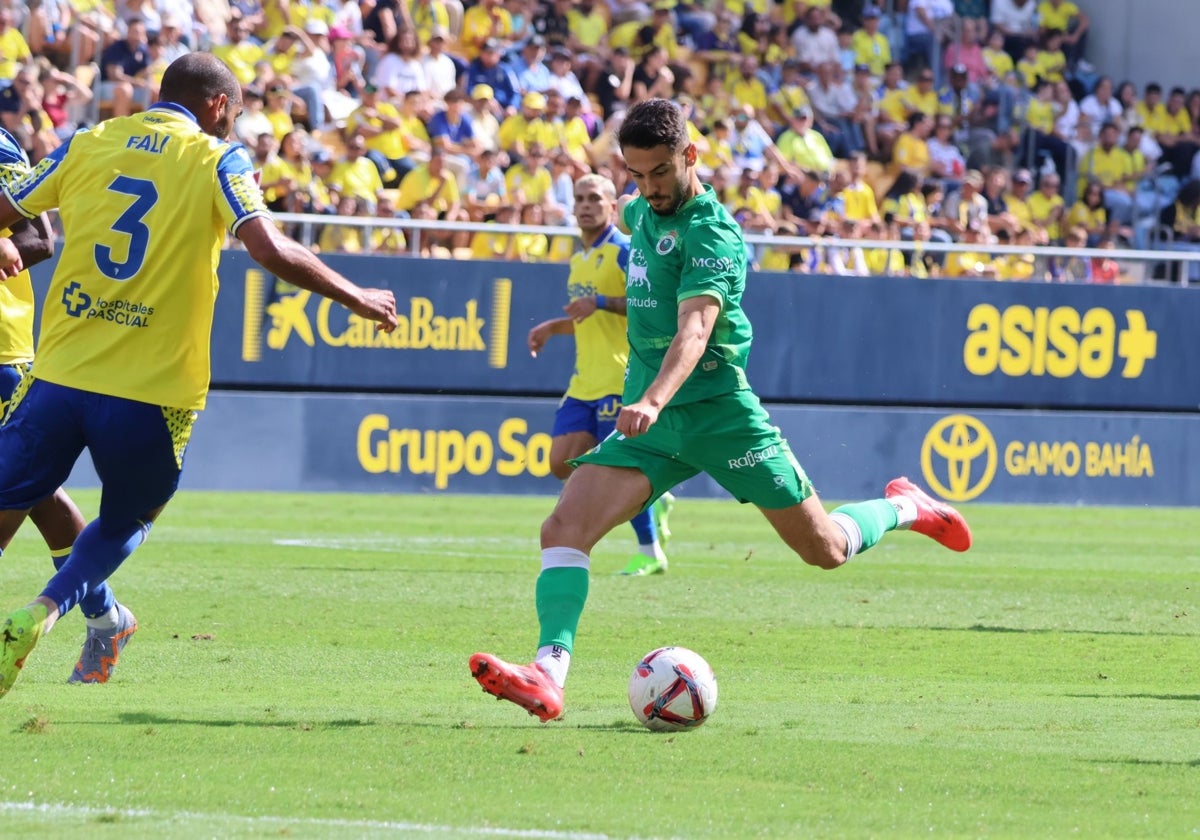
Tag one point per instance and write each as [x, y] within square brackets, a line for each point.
[60, 523]
[747, 455]
[578, 425]
[650, 558]
[40, 440]
[829, 540]
[137, 449]
[609, 485]
[564, 447]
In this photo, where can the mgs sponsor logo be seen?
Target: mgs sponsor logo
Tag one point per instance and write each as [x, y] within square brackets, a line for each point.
[713, 263]
[751, 458]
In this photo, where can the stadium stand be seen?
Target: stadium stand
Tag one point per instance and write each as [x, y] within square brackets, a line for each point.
[817, 117]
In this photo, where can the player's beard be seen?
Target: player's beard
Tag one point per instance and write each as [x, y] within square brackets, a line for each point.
[678, 197]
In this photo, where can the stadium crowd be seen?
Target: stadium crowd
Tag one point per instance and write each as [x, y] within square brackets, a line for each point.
[974, 121]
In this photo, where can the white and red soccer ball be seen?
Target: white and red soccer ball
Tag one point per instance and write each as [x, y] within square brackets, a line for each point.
[672, 688]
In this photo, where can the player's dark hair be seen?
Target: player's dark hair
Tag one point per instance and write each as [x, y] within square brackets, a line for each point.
[653, 123]
[195, 78]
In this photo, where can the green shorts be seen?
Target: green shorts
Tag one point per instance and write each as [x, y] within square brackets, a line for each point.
[729, 437]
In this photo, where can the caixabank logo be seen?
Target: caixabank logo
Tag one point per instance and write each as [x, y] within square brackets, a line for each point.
[295, 317]
[958, 457]
[961, 456]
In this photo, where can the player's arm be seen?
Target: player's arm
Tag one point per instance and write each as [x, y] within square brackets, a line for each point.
[291, 261]
[697, 316]
[34, 240]
[582, 307]
[539, 335]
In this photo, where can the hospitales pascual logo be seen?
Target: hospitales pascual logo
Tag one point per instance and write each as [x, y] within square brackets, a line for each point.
[298, 317]
[958, 457]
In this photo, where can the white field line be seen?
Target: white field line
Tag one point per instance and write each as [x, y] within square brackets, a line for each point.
[64, 811]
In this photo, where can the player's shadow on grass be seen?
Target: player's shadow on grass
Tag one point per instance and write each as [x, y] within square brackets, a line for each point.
[1146, 762]
[1174, 697]
[150, 719]
[991, 628]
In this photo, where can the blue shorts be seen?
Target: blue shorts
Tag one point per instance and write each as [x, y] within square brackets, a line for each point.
[10, 378]
[137, 448]
[596, 417]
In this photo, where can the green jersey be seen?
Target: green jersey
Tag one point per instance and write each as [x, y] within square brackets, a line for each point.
[699, 250]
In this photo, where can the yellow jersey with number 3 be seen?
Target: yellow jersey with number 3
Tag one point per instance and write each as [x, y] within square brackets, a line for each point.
[145, 201]
[16, 293]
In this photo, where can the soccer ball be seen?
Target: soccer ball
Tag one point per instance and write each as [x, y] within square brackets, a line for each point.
[672, 688]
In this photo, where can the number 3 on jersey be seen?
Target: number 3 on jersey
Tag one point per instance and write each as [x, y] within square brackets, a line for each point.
[129, 223]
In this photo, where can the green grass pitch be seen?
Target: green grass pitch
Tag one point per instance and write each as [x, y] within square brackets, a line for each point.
[300, 671]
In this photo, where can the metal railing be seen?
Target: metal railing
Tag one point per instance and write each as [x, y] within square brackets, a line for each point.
[1178, 264]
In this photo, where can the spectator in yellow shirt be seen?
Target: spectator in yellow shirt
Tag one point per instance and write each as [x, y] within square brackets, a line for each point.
[998, 62]
[1051, 60]
[279, 110]
[871, 47]
[1089, 213]
[239, 53]
[1017, 200]
[520, 131]
[13, 49]
[1046, 207]
[489, 245]
[922, 96]
[802, 146]
[911, 150]
[1068, 20]
[343, 239]
[973, 263]
[486, 20]
[528, 182]
[1175, 124]
[354, 175]
[1112, 167]
[858, 197]
[748, 89]
[430, 192]
[1029, 68]
[378, 122]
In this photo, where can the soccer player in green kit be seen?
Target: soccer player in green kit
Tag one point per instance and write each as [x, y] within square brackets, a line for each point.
[687, 408]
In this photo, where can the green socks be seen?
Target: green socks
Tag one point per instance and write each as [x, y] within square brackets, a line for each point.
[560, 596]
[865, 523]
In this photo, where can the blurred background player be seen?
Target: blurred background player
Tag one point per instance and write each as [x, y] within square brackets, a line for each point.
[109, 624]
[123, 362]
[588, 411]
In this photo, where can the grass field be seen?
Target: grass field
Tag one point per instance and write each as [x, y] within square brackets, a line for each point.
[300, 671]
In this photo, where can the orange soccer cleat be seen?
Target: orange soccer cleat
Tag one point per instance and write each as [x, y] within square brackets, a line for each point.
[526, 685]
[935, 519]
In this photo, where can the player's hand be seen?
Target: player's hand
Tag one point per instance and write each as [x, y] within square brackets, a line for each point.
[581, 307]
[377, 305]
[636, 419]
[538, 337]
[10, 259]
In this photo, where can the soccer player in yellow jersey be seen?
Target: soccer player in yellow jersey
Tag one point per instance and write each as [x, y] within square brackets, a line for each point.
[595, 315]
[123, 361]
